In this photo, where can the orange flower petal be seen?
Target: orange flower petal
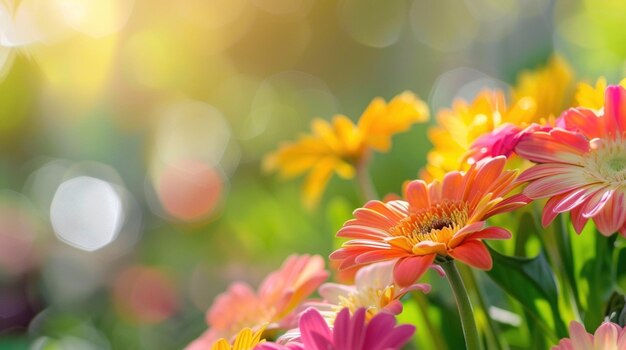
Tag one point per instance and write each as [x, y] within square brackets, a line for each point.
[473, 253]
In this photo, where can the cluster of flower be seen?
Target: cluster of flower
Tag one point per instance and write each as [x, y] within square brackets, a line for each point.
[494, 160]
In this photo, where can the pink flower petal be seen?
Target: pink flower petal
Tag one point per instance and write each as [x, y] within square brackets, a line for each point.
[576, 198]
[311, 322]
[612, 216]
[579, 336]
[596, 203]
[543, 170]
[553, 185]
[408, 270]
[578, 220]
[606, 336]
[549, 213]
[615, 108]
[473, 253]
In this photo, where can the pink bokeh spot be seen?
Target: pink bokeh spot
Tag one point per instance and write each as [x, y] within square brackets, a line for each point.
[190, 190]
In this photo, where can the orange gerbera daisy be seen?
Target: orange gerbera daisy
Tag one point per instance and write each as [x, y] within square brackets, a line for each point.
[445, 220]
[341, 146]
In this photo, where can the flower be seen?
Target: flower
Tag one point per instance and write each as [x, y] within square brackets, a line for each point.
[340, 146]
[459, 127]
[246, 339]
[279, 294]
[354, 333]
[500, 142]
[538, 95]
[582, 165]
[592, 97]
[609, 336]
[549, 87]
[374, 290]
[438, 219]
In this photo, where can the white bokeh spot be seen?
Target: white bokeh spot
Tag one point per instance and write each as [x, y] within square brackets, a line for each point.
[86, 213]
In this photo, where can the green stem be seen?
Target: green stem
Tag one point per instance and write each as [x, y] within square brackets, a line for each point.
[472, 340]
[476, 294]
[365, 181]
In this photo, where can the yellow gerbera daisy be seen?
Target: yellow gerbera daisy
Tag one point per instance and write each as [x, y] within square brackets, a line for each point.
[460, 126]
[340, 146]
[550, 87]
[533, 101]
[592, 97]
[245, 340]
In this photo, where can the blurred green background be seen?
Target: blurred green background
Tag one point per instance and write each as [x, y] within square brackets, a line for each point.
[132, 133]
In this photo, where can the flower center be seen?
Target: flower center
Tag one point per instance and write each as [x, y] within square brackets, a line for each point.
[607, 161]
[436, 223]
[374, 300]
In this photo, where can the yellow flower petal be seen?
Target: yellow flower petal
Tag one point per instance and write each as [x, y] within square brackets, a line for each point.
[539, 95]
[316, 181]
[381, 121]
[221, 344]
[592, 97]
[549, 86]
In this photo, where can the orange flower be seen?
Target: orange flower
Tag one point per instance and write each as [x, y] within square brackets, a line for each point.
[341, 146]
[445, 220]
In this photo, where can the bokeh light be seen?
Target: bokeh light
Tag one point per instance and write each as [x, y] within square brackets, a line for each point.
[145, 294]
[86, 213]
[190, 190]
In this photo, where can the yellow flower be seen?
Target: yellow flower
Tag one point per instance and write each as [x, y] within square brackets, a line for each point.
[592, 97]
[245, 340]
[340, 146]
[539, 95]
[460, 126]
[550, 87]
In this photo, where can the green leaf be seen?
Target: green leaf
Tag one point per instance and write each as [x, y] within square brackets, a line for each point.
[531, 282]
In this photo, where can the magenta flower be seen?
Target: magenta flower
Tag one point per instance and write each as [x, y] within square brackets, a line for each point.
[500, 142]
[354, 333]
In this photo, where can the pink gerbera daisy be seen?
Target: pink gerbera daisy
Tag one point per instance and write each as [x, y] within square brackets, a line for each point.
[444, 219]
[274, 303]
[353, 333]
[609, 336]
[582, 165]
